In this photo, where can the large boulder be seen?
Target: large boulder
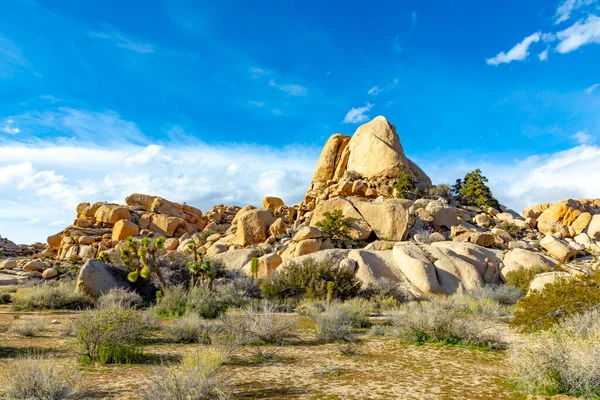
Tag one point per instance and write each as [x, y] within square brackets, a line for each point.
[593, 228]
[267, 264]
[9, 263]
[307, 246]
[110, 213]
[417, 267]
[124, 229]
[387, 218]
[545, 278]
[375, 265]
[443, 217]
[54, 241]
[558, 248]
[581, 222]
[161, 223]
[334, 256]
[331, 158]
[272, 203]
[521, 258]
[158, 205]
[253, 227]
[307, 232]
[454, 273]
[564, 212]
[359, 228]
[96, 278]
[486, 261]
[236, 260]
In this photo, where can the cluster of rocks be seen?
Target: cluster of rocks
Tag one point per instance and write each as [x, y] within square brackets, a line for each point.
[430, 245]
[11, 249]
[19, 270]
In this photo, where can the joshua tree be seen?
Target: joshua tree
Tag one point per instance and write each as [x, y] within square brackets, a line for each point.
[201, 269]
[141, 258]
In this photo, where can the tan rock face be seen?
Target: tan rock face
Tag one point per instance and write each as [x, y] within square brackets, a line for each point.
[593, 229]
[520, 258]
[9, 263]
[307, 232]
[581, 222]
[330, 158]
[49, 273]
[34, 265]
[359, 228]
[241, 212]
[110, 214]
[253, 227]
[267, 264]
[124, 229]
[415, 265]
[375, 150]
[54, 241]
[443, 217]
[162, 224]
[557, 248]
[307, 246]
[272, 203]
[542, 280]
[535, 211]
[547, 227]
[278, 227]
[388, 218]
[158, 205]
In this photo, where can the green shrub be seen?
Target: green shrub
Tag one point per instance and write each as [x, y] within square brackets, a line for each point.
[335, 225]
[172, 302]
[4, 298]
[473, 191]
[260, 326]
[445, 321]
[198, 377]
[503, 294]
[522, 277]
[562, 360]
[123, 297]
[405, 185]
[205, 303]
[51, 296]
[351, 175]
[35, 378]
[335, 324]
[378, 330]
[385, 292]
[190, 329]
[558, 300]
[442, 190]
[110, 334]
[28, 327]
[240, 290]
[310, 279]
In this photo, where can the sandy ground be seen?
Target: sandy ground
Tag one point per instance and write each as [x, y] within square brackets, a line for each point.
[382, 368]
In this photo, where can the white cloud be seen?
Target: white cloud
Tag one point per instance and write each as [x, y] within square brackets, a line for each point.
[292, 89]
[413, 18]
[591, 89]
[583, 138]
[518, 53]
[123, 42]
[374, 91]
[564, 10]
[46, 182]
[579, 34]
[256, 72]
[9, 128]
[543, 56]
[357, 114]
[257, 103]
[32, 221]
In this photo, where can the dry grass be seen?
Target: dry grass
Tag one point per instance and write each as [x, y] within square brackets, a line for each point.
[51, 296]
[28, 327]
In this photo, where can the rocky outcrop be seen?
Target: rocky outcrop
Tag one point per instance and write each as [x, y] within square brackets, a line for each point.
[96, 278]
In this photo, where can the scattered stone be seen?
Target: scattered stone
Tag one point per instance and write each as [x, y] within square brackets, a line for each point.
[49, 273]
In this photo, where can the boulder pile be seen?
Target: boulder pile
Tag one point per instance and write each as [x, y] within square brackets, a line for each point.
[431, 244]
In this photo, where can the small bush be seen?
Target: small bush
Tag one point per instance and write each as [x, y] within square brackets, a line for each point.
[351, 175]
[473, 191]
[110, 334]
[311, 280]
[335, 324]
[522, 277]
[503, 294]
[512, 229]
[558, 300]
[198, 377]
[172, 302]
[35, 378]
[28, 327]
[442, 190]
[565, 359]
[205, 303]
[387, 294]
[378, 330]
[122, 297]
[440, 320]
[190, 329]
[51, 296]
[261, 326]
[335, 225]
[239, 290]
[405, 185]
[4, 298]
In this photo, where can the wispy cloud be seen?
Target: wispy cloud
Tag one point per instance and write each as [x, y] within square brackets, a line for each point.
[543, 56]
[592, 88]
[518, 53]
[375, 90]
[262, 104]
[564, 10]
[357, 114]
[583, 138]
[123, 42]
[9, 128]
[579, 34]
[256, 72]
[292, 89]
[413, 18]
[397, 44]
[11, 58]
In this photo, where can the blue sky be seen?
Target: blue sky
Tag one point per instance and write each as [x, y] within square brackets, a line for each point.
[221, 102]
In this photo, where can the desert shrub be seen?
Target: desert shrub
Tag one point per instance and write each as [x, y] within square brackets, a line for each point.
[335, 324]
[387, 294]
[473, 191]
[51, 296]
[564, 359]
[558, 300]
[442, 190]
[205, 303]
[512, 229]
[359, 311]
[522, 277]
[311, 279]
[35, 378]
[174, 268]
[4, 298]
[442, 321]
[335, 225]
[123, 297]
[404, 185]
[198, 377]
[28, 327]
[503, 294]
[191, 329]
[351, 175]
[238, 290]
[110, 334]
[260, 326]
[424, 236]
[172, 302]
[149, 320]
[378, 330]
[467, 304]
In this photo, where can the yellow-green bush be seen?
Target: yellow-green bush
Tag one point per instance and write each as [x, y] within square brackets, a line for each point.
[522, 277]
